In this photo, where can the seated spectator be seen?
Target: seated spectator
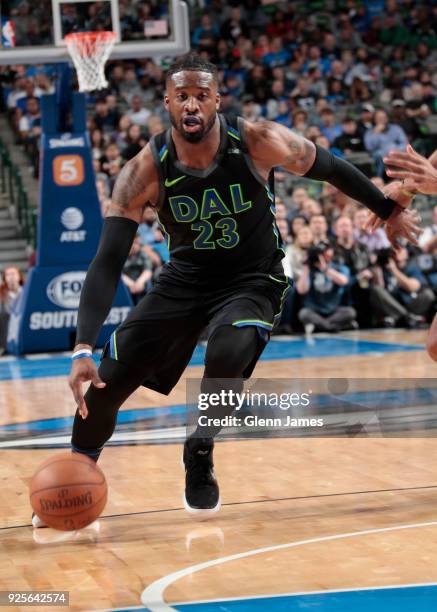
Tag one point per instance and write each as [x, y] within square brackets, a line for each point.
[138, 114]
[302, 96]
[311, 207]
[148, 227]
[97, 144]
[313, 132]
[297, 222]
[428, 240]
[206, 34]
[235, 26]
[411, 298]
[299, 195]
[29, 125]
[154, 126]
[299, 121]
[112, 154]
[366, 119]
[329, 127]
[104, 118]
[160, 247]
[121, 134]
[137, 271]
[251, 111]
[382, 138]
[336, 94]
[350, 140]
[129, 86]
[10, 288]
[284, 230]
[373, 241]
[296, 252]
[30, 91]
[277, 95]
[17, 92]
[348, 251]
[356, 257]
[229, 105]
[319, 228]
[281, 211]
[278, 55]
[322, 284]
[135, 141]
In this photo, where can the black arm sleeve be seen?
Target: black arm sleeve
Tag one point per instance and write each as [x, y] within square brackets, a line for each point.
[103, 276]
[351, 181]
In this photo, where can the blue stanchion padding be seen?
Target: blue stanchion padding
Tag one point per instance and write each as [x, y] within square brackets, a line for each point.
[44, 316]
[69, 225]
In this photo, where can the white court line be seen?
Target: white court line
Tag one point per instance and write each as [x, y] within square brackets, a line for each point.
[153, 596]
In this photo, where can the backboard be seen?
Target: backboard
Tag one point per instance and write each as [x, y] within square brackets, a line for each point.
[33, 31]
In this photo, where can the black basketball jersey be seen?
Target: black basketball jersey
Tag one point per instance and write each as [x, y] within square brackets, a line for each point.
[221, 219]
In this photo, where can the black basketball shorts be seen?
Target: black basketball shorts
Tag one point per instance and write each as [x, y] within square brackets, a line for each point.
[157, 339]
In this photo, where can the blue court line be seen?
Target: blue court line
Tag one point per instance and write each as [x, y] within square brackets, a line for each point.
[301, 348]
[175, 415]
[393, 599]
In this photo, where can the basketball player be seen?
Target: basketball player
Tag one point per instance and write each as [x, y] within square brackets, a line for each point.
[211, 181]
[419, 175]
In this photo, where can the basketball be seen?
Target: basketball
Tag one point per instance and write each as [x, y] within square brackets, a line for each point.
[68, 491]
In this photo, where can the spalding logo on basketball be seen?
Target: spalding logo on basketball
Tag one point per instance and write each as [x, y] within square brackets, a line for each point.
[72, 218]
[68, 491]
[64, 290]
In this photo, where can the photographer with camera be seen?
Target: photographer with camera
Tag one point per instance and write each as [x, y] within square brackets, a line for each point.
[401, 292]
[357, 258]
[322, 284]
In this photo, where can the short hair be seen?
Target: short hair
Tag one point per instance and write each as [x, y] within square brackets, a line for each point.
[192, 63]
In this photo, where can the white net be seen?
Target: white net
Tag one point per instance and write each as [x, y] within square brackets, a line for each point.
[89, 51]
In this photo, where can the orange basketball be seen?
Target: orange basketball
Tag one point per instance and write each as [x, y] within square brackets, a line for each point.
[68, 491]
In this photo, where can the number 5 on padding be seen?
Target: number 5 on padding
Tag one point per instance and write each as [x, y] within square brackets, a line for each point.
[68, 170]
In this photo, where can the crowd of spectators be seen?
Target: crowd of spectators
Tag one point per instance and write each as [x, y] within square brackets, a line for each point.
[358, 77]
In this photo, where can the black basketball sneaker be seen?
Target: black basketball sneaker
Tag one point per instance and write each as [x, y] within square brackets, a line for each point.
[201, 489]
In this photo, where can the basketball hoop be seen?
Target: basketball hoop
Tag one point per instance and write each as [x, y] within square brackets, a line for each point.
[89, 51]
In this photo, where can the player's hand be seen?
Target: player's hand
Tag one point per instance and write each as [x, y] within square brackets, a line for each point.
[403, 224]
[373, 223]
[397, 191]
[83, 370]
[410, 165]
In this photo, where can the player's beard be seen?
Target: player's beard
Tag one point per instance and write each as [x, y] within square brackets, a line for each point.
[193, 137]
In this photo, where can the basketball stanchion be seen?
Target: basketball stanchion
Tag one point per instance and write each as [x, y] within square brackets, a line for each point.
[44, 316]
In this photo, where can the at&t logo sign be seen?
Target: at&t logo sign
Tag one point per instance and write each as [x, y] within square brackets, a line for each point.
[72, 219]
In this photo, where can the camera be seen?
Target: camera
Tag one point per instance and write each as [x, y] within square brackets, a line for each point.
[383, 256]
[314, 253]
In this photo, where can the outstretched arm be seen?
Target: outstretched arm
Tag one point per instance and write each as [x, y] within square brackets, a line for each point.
[136, 187]
[271, 144]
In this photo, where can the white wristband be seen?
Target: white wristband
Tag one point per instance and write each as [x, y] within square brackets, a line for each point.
[81, 353]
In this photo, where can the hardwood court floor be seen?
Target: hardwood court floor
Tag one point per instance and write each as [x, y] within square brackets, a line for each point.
[295, 497]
